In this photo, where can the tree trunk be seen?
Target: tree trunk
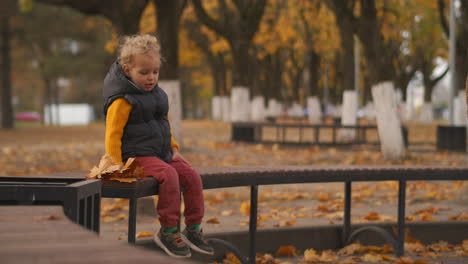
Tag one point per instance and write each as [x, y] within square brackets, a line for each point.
[461, 63]
[241, 73]
[220, 72]
[379, 55]
[168, 30]
[314, 76]
[237, 24]
[461, 56]
[347, 58]
[7, 107]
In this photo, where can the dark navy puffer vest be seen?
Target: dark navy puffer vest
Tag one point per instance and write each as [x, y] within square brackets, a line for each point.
[147, 132]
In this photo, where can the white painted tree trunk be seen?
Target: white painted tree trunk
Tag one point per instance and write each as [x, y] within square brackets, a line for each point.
[404, 112]
[388, 123]
[348, 116]
[427, 115]
[296, 110]
[240, 104]
[216, 108]
[226, 108]
[274, 108]
[314, 109]
[459, 107]
[369, 111]
[172, 89]
[258, 109]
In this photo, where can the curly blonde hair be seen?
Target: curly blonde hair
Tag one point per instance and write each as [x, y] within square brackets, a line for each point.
[137, 44]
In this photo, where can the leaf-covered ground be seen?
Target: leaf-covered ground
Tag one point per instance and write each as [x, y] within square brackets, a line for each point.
[41, 150]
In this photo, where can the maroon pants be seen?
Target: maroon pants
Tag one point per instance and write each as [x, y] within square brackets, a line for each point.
[171, 176]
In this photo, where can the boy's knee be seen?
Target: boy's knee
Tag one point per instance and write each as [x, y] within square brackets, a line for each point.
[169, 174]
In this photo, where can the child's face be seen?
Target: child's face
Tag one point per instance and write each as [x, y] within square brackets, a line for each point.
[144, 70]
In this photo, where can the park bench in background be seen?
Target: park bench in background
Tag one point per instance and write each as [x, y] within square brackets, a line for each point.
[254, 132]
[42, 234]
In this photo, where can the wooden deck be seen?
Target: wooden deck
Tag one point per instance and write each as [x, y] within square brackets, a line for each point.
[43, 234]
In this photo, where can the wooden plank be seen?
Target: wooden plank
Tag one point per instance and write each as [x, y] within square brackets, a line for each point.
[28, 236]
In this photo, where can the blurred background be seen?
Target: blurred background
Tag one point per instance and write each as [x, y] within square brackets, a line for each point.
[285, 50]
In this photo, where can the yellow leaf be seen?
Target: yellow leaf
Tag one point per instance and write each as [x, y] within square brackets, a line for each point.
[328, 256]
[372, 258]
[372, 216]
[310, 255]
[426, 216]
[323, 197]
[421, 261]
[245, 208]
[324, 208]
[227, 212]
[405, 260]
[232, 258]
[286, 223]
[144, 234]
[286, 251]
[213, 220]
[349, 249]
[127, 180]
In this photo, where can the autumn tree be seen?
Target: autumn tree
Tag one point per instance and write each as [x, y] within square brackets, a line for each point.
[124, 14]
[58, 53]
[237, 21]
[425, 45]
[214, 48]
[345, 20]
[168, 15]
[294, 37]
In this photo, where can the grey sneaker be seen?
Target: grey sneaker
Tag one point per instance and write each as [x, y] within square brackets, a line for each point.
[173, 244]
[196, 241]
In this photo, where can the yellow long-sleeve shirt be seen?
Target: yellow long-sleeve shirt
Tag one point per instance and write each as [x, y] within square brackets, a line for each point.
[116, 119]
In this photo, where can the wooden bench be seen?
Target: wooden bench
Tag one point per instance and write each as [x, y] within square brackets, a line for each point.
[254, 132]
[43, 234]
[254, 176]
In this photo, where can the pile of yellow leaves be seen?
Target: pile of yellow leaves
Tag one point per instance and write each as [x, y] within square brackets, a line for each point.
[107, 169]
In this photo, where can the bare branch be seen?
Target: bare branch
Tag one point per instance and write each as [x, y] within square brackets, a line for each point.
[206, 19]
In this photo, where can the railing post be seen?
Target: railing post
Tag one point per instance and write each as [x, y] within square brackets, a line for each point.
[347, 212]
[253, 223]
[401, 217]
[132, 220]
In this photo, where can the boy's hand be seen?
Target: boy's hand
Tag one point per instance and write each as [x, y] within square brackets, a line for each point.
[176, 154]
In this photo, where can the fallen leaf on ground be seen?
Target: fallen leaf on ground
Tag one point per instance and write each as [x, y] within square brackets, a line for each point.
[245, 208]
[349, 249]
[227, 212]
[144, 234]
[286, 223]
[405, 260]
[286, 251]
[232, 258]
[213, 220]
[372, 216]
[372, 258]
